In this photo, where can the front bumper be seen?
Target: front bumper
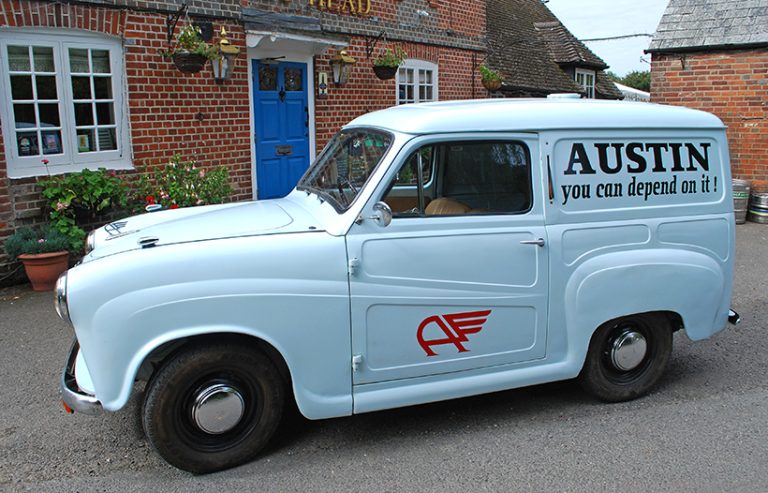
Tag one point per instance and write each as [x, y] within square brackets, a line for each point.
[73, 398]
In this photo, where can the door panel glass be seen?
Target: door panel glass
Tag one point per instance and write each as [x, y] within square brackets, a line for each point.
[267, 78]
[293, 79]
[488, 176]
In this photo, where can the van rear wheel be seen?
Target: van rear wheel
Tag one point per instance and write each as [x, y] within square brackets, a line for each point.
[626, 357]
[213, 407]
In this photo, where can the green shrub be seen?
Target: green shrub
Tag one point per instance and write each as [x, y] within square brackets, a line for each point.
[488, 74]
[45, 239]
[391, 58]
[88, 193]
[184, 184]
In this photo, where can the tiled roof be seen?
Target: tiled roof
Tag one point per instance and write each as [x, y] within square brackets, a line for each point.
[529, 46]
[712, 23]
[564, 46]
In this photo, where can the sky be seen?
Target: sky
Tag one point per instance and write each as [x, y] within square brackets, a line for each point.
[589, 19]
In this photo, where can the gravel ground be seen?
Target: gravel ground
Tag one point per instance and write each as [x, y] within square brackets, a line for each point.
[702, 429]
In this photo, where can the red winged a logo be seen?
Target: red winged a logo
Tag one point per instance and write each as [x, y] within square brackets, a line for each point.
[455, 326]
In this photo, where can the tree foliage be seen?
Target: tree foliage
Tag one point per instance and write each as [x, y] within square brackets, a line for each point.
[639, 79]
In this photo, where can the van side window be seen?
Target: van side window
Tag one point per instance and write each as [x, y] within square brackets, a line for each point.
[472, 177]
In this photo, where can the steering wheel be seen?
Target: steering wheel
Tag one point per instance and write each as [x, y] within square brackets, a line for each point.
[340, 184]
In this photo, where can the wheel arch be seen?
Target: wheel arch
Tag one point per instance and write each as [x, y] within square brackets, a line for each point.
[156, 352]
[687, 287]
[167, 350]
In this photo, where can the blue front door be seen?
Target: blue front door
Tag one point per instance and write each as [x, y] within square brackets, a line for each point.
[281, 126]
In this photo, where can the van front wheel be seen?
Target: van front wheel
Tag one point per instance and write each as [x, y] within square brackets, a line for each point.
[213, 407]
[626, 357]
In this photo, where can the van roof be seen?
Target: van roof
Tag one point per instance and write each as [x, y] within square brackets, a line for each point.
[520, 115]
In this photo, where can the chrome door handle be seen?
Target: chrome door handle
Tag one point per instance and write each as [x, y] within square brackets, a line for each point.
[539, 242]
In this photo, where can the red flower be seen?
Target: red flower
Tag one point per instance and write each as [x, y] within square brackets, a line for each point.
[150, 199]
[174, 206]
[45, 161]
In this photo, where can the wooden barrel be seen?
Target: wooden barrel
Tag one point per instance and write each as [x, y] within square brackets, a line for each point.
[740, 200]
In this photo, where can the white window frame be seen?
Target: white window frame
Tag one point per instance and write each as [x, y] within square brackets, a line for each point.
[583, 78]
[69, 160]
[416, 65]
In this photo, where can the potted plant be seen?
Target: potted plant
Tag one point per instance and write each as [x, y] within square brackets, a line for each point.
[43, 252]
[385, 66]
[191, 52]
[490, 78]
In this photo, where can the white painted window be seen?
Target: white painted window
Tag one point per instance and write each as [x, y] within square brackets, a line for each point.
[62, 98]
[416, 82]
[586, 79]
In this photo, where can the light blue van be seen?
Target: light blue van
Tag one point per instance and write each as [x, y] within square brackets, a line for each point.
[431, 252]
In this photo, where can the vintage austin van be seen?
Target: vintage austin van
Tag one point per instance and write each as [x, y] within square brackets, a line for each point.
[431, 252]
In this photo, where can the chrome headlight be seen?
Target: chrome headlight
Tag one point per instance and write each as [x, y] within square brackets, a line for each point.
[60, 302]
[90, 242]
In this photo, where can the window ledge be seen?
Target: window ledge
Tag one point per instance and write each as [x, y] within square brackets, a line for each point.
[60, 169]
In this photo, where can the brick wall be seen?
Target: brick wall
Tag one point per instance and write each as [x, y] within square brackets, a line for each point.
[732, 85]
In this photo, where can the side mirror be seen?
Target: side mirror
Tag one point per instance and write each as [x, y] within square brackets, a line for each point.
[382, 214]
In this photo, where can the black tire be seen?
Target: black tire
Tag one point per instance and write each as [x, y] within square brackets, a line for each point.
[600, 375]
[169, 403]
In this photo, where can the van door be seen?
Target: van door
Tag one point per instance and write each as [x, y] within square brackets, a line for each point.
[459, 279]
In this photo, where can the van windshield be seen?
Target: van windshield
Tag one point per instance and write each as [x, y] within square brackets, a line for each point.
[345, 165]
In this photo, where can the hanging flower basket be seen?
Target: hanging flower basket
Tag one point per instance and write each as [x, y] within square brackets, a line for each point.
[385, 72]
[492, 84]
[189, 62]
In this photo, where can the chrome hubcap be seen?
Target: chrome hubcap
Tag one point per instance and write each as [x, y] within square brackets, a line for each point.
[628, 350]
[218, 409]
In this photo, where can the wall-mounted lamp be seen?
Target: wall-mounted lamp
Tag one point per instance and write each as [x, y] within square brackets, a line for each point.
[341, 65]
[222, 67]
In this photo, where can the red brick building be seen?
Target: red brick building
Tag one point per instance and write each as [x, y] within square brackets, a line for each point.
[713, 55]
[84, 85]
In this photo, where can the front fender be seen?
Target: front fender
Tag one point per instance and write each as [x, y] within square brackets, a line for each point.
[125, 306]
[609, 286]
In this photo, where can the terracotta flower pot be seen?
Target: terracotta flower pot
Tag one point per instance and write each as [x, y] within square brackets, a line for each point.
[43, 269]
